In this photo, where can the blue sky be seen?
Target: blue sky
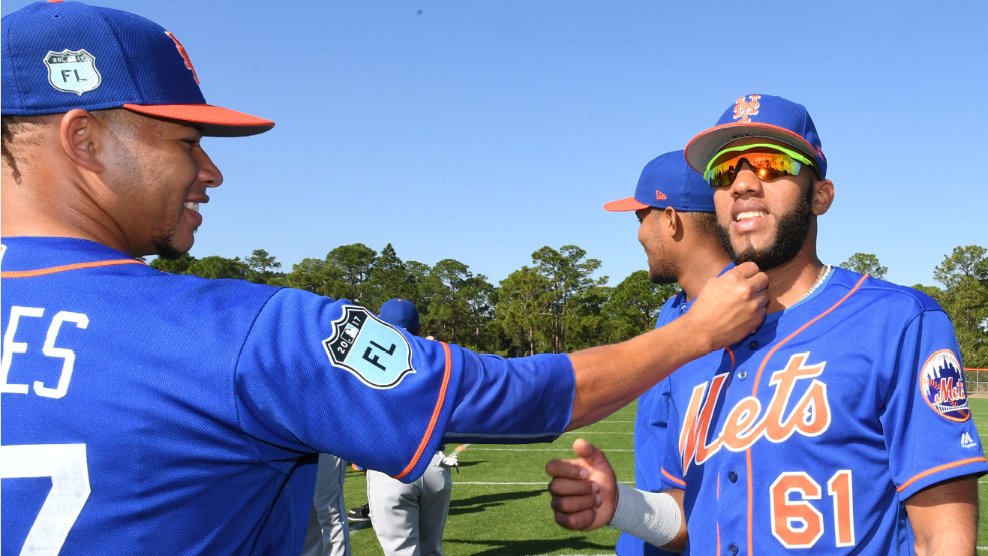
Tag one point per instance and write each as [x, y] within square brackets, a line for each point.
[481, 131]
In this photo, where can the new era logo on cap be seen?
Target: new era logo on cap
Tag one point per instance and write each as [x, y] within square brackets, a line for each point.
[765, 116]
[59, 56]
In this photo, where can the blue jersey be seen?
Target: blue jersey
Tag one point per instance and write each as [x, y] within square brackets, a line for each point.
[149, 412]
[650, 436]
[809, 435]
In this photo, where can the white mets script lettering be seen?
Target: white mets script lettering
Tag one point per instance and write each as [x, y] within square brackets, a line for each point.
[746, 423]
[11, 347]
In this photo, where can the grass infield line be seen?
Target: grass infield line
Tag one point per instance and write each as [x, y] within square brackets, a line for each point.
[560, 449]
[544, 483]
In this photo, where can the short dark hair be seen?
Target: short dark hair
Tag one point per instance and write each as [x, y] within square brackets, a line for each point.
[705, 222]
[10, 127]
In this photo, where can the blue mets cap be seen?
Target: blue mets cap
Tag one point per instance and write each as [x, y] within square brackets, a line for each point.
[401, 312]
[762, 116]
[667, 181]
[58, 56]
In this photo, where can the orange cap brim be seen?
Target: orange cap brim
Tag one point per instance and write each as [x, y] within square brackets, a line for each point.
[625, 205]
[214, 120]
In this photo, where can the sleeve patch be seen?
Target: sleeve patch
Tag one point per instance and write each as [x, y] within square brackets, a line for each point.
[370, 349]
[941, 382]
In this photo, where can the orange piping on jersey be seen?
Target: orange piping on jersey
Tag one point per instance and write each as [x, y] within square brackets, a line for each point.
[754, 393]
[447, 372]
[65, 268]
[679, 482]
[751, 509]
[717, 525]
[937, 469]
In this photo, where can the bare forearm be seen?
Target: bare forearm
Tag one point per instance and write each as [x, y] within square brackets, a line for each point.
[944, 517]
[609, 377]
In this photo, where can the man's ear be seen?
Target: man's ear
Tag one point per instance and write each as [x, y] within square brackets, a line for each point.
[80, 134]
[823, 196]
[671, 222]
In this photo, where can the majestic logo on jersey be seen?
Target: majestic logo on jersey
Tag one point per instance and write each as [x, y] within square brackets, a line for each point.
[748, 422]
[371, 349]
[72, 71]
[941, 381]
[743, 109]
[967, 441]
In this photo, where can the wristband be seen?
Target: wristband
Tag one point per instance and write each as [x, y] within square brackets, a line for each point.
[653, 517]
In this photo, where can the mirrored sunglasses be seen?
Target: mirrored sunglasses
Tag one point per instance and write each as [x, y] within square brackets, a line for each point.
[768, 161]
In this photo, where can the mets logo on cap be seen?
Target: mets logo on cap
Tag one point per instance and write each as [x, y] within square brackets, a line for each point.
[941, 381]
[371, 349]
[744, 109]
[72, 71]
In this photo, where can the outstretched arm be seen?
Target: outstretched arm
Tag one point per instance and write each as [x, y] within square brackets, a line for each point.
[944, 517]
[586, 495]
[728, 308]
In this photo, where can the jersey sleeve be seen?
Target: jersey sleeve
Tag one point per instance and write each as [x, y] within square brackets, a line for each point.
[528, 399]
[927, 422]
[329, 376]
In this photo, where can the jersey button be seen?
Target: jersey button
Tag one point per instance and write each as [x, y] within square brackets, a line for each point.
[733, 548]
[753, 345]
[732, 476]
[742, 375]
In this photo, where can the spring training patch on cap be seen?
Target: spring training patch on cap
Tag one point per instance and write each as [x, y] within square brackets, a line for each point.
[942, 383]
[72, 71]
[371, 349]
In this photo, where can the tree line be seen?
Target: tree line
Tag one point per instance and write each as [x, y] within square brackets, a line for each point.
[556, 304]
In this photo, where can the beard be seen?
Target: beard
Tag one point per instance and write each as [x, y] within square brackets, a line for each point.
[164, 246]
[664, 274]
[794, 227]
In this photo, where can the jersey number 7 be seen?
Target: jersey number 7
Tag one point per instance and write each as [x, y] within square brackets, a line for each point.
[68, 468]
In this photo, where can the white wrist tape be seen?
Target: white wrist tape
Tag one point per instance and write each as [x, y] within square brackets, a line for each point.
[651, 516]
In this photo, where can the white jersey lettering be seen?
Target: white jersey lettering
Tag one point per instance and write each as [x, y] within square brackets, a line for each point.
[12, 347]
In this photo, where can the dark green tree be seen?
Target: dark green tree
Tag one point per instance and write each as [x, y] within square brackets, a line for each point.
[389, 278]
[314, 275]
[218, 267]
[262, 268]
[522, 312]
[174, 266]
[634, 305]
[457, 303]
[570, 276]
[350, 266]
[964, 274]
[865, 263]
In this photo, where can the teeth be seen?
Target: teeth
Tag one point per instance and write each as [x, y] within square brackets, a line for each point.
[749, 214]
[192, 206]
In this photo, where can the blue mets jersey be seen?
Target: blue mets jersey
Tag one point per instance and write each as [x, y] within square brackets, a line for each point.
[145, 412]
[650, 436]
[811, 433]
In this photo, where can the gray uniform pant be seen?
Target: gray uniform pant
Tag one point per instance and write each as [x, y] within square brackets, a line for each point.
[409, 519]
[328, 533]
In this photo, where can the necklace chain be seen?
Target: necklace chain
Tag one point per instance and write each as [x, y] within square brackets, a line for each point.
[824, 271]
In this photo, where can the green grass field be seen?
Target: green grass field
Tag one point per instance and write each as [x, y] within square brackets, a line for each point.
[501, 506]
